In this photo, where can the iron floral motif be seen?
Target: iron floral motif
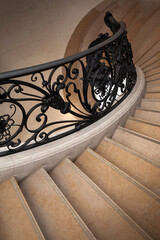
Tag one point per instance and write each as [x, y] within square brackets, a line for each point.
[5, 124]
[86, 89]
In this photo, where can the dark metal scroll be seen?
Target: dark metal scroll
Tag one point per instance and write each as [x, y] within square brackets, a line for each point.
[83, 88]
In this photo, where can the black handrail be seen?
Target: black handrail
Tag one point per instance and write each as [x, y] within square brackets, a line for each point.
[46, 66]
[99, 78]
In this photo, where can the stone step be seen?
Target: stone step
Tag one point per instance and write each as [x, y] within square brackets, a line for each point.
[153, 88]
[152, 72]
[152, 104]
[140, 20]
[149, 56]
[54, 214]
[147, 128]
[147, 114]
[151, 66]
[150, 95]
[16, 218]
[141, 47]
[104, 217]
[137, 201]
[153, 82]
[142, 144]
[142, 169]
[153, 76]
[131, 16]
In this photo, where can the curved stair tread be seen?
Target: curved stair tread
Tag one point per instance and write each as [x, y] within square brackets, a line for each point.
[153, 82]
[148, 51]
[149, 56]
[153, 88]
[152, 104]
[152, 71]
[152, 56]
[55, 216]
[142, 169]
[16, 218]
[135, 11]
[138, 202]
[97, 210]
[144, 127]
[151, 26]
[151, 66]
[154, 76]
[135, 150]
[147, 114]
[146, 146]
[138, 23]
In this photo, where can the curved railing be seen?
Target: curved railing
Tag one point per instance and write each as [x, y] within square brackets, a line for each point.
[83, 87]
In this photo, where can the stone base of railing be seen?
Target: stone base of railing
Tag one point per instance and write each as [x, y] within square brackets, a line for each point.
[49, 155]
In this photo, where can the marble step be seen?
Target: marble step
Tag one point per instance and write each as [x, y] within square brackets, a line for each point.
[55, 216]
[142, 205]
[150, 95]
[153, 82]
[142, 144]
[147, 128]
[151, 66]
[153, 88]
[152, 104]
[103, 216]
[149, 57]
[16, 218]
[147, 114]
[142, 169]
[152, 72]
[141, 44]
[150, 77]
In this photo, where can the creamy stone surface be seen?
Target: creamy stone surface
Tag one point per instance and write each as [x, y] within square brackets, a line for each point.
[142, 169]
[131, 196]
[99, 215]
[55, 216]
[16, 219]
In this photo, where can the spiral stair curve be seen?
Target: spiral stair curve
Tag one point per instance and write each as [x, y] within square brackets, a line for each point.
[112, 191]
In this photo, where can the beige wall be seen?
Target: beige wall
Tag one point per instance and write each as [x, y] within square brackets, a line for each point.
[37, 31]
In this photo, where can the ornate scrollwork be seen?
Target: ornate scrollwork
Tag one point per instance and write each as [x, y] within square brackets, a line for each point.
[5, 124]
[84, 89]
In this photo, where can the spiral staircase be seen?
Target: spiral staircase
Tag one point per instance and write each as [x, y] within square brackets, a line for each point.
[112, 191]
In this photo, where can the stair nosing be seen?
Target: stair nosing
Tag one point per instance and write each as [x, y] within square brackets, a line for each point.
[151, 161]
[27, 209]
[154, 85]
[143, 121]
[152, 92]
[125, 175]
[121, 212]
[141, 64]
[150, 64]
[152, 75]
[150, 100]
[67, 204]
[151, 69]
[139, 135]
[147, 110]
[152, 80]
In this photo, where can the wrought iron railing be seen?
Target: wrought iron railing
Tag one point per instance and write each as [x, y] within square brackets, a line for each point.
[83, 88]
